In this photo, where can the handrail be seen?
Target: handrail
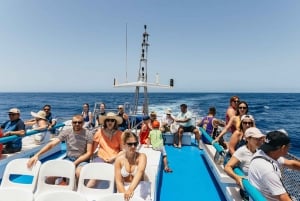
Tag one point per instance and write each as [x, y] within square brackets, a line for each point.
[255, 194]
[251, 190]
[28, 133]
[216, 145]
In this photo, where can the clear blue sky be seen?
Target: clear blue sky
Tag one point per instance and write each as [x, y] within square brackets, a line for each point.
[205, 45]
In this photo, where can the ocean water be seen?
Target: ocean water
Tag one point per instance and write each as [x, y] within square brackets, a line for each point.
[272, 111]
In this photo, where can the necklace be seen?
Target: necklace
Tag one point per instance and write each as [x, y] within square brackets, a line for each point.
[109, 133]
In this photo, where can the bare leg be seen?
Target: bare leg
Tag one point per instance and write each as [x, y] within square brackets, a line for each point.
[166, 167]
[180, 133]
[198, 137]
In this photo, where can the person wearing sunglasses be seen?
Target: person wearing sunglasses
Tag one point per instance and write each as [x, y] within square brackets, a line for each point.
[52, 121]
[14, 126]
[40, 123]
[102, 112]
[235, 121]
[231, 110]
[108, 139]
[107, 144]
[125, 123]
[130, 168]
[79, 143]
[87, 116]
[237, 139]
[242, 156]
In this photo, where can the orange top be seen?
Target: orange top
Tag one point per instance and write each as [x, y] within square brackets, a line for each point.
[108, 148]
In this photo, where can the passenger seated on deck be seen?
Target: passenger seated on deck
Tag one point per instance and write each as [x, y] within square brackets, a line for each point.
[145, 130]
[167, 120]
[78, 145]
[157, 142]
[101, 113]
[107, 140]
[125, 123]
[153, 117]
[87, 116]
[264, 170]
[52, 121]
[40, 124]
[242, 156]
[184, 118]
[231, 111]
[237, 138]
[242, 109]
[210, 124]
[14, 126]
[130, 169]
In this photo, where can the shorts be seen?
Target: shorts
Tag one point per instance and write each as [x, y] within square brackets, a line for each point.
[188, 129]
[161, 149]
[72, 158]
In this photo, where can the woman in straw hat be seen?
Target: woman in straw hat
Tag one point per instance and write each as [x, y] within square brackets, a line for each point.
[40, 123]
[108, 138]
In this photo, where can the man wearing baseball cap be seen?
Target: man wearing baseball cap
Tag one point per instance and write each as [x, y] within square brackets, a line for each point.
[14, 126]
[264, 171]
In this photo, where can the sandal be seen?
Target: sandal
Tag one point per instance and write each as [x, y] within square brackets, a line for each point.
[175, 145]
[168, 170]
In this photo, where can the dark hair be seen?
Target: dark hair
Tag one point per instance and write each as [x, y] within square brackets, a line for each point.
[212, 110]
[242, 102]
[116, 126]
[49, 106]
[183, 105]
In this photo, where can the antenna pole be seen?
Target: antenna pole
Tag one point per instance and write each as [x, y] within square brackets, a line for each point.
[126, 56]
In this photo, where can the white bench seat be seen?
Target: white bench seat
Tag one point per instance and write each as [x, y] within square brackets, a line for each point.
[26, 152]
[154, 160]
[186, 138]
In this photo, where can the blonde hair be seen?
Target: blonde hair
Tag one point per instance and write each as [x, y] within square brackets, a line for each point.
[128, 134]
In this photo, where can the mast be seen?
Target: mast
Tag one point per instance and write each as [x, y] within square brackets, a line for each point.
[142, 79]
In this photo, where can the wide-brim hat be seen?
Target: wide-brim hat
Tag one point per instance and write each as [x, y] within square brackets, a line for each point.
[274, 140]
[110, 115]
[41, 114]
[168, 111]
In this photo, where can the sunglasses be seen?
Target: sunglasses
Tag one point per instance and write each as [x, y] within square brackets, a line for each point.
[110, 120]
[243, 108]
[11, 114]
[247, 123]
[236, 101]
[77, 122]
[46, 109]
[132, 143]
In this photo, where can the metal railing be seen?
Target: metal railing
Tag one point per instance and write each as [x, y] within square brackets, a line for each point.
[255, 194]
[28, 133]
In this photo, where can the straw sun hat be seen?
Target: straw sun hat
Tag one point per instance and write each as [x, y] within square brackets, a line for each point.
[111, 115]
[41, 114]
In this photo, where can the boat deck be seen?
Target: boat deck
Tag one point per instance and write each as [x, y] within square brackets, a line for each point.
[190, 179]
